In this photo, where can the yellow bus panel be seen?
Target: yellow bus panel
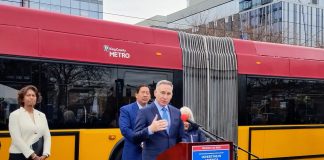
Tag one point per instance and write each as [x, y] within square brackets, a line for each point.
[5, 142]
[83, 144]
[98, 143]
[63, 147]
[282, 141]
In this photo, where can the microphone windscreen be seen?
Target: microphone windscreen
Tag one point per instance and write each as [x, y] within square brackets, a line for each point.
[184, 117]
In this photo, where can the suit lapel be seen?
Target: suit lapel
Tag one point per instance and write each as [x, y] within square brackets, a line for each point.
[37, 118]
[174, 119]
[171, 119]
[134, 110]
[155, 111]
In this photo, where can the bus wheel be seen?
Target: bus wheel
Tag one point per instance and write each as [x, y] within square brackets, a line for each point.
[117, 151]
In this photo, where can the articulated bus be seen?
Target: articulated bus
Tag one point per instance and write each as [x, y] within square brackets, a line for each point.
[266, 98]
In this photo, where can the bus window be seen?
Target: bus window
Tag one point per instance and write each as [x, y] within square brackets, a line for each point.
[15, 72]
[77, 95]
[132, 78]
[283, 101]
[80, 94]
[8, 103]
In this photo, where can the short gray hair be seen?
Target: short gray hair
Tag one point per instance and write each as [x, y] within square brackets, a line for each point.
[187, 110]
[164, 82]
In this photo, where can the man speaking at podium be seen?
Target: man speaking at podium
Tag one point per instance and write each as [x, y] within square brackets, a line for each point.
[158, 126]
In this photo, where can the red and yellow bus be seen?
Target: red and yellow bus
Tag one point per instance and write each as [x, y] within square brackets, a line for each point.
[267, 98]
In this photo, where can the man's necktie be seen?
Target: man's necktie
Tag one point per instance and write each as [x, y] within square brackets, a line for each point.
[165, 117]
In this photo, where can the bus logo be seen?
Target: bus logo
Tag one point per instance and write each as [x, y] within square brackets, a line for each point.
[116, 52]
[106, 48]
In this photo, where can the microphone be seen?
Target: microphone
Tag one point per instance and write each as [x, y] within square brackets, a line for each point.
[185, 118]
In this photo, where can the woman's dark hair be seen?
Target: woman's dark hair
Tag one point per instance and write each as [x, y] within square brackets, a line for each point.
[22, 92]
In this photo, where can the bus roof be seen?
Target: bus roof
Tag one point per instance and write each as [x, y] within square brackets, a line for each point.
[35, 33]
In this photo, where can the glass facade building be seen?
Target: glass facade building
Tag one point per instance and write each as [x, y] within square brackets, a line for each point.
[205, 16]
[249, 4]
[296, 22]
[289, 22]
[85, 8]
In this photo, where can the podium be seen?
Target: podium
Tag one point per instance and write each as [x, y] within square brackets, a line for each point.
[199, 151]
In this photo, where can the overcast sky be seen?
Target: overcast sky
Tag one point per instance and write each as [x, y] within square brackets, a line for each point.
[139, 8]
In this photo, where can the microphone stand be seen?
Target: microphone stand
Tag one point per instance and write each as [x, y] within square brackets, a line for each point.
[207, 133]
[215, 137]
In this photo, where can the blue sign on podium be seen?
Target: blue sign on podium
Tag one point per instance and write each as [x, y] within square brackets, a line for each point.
[211, 152]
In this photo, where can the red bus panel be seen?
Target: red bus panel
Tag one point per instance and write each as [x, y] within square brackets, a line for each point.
[261, 65]
[307, 68]
[90, 49]
[34, 33]
[277, 50]
[18, 40]
[260, 58]
[289, 51]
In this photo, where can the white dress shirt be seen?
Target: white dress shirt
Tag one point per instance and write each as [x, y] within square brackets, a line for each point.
[140, 106]
[24, 132]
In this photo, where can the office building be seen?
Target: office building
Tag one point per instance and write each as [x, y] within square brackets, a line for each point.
[85, 8]
[298, 22]
[202, 13]
[193, 2]
[201, 17]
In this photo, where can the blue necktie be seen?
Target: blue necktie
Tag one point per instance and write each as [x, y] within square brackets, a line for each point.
[165, 117]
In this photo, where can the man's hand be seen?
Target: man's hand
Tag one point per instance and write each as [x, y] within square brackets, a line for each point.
[37, 158]
[43, 157]
[34, 157]
[158, 125]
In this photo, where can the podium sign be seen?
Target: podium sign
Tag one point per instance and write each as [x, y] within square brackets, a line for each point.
[208, 152]
[199, 151]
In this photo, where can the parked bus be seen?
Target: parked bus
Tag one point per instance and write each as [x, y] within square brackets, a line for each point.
[267, 98]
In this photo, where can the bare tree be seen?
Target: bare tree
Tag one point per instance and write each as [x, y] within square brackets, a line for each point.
[65, 75]
[261, 28]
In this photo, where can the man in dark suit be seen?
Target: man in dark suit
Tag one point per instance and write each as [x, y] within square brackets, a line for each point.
[158, 125]
[127, 118]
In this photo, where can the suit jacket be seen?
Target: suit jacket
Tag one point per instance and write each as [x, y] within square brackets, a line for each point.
[24, 132]
[160, 141]
[127, 125]
[193, 135]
